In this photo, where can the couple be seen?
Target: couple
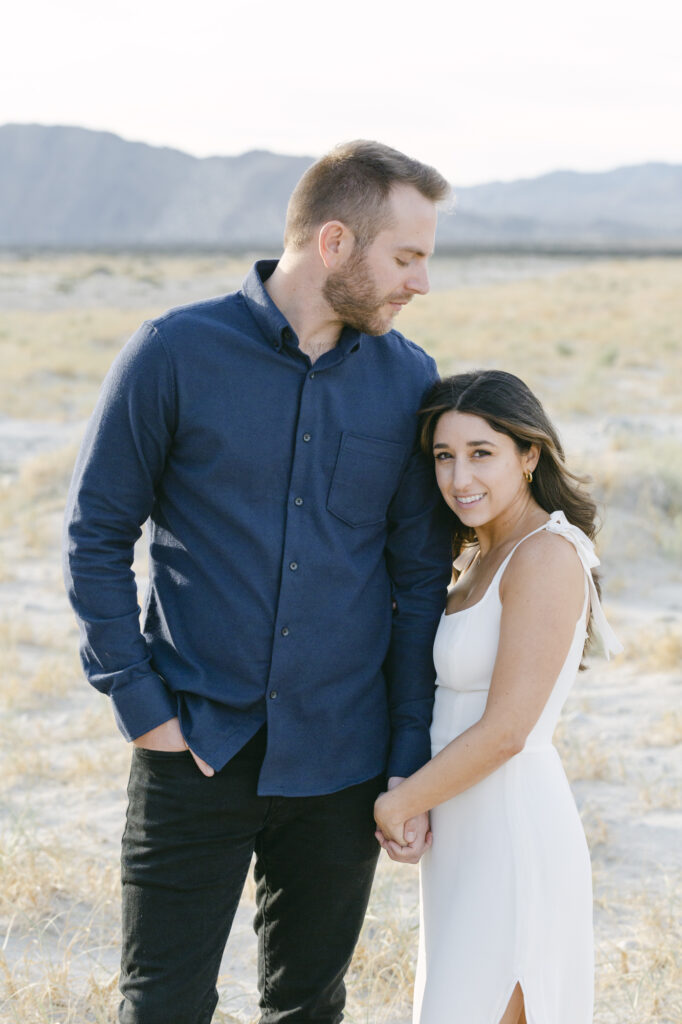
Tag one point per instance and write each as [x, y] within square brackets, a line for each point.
[281, 691]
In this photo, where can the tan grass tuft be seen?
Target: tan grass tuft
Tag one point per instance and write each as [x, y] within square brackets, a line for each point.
[667, 731]
[382, 971]
[657, 648]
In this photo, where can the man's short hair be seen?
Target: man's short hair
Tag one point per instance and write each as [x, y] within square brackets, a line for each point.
[352, 184]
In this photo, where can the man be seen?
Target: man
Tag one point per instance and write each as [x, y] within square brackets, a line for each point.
[298, 566]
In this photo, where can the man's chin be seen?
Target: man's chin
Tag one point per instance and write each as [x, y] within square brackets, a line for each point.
[380, 325]
[378, 330]
[376, 325]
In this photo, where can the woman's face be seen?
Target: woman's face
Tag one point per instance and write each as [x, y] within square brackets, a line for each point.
[480, 472]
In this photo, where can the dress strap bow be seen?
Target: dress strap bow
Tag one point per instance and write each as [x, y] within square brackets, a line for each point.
[558, 523]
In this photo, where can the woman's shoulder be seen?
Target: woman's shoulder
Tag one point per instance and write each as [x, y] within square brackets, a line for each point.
[544, 561]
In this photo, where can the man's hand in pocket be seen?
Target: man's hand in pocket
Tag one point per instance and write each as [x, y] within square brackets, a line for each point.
[168, 736]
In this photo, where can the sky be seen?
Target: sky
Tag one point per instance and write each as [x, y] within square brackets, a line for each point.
[483, 90]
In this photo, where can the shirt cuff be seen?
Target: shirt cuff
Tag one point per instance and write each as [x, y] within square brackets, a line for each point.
[142, 705]
[410, 750]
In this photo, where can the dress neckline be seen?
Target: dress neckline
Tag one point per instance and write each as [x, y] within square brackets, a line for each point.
[460, 611]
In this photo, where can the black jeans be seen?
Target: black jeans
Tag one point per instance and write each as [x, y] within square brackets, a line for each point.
[186, 852]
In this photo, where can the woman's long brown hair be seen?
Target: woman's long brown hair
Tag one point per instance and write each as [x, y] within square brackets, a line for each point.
[511, 408]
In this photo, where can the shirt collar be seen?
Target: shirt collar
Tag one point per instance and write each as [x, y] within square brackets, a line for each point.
[272, 322]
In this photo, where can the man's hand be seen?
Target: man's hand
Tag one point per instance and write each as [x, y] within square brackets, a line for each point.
[168, 736]
[416, 833]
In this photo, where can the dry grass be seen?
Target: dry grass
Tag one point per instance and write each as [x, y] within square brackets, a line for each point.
[667, 732]
[382, 973]
[661, 795]
[53, 361]
[605, 339]
[642, 477]
[586, 761]
[43, 480]
[591, 341]
[657, 647]
[24, 691]
[39, 878]
[66, 273]
[20, 635]
[32, 505]
[639, 974]
[58, 918]
[596, 829]
[68, 315]
[50, 999]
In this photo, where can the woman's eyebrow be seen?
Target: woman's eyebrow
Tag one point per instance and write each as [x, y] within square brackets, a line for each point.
[470, 444]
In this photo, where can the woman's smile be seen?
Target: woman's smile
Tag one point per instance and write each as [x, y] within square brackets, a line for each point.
[470, 499]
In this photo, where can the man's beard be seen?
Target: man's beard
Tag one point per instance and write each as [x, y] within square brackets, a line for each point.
[353, 295]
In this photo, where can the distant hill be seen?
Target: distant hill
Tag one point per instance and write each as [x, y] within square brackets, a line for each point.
[73, 188]
[627, 206]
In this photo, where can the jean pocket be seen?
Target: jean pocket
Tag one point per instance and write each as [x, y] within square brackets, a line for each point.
[160, 755]
[365, 479]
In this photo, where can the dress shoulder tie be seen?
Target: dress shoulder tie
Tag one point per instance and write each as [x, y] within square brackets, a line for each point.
[558, 523]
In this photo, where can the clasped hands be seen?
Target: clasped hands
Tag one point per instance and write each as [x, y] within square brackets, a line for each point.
[404, 840]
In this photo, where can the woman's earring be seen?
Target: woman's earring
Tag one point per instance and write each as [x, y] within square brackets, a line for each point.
[528, 476]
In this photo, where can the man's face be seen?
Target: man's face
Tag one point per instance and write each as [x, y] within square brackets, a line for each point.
[377, 281]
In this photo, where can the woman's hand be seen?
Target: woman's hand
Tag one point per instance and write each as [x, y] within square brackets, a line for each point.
[389, 818]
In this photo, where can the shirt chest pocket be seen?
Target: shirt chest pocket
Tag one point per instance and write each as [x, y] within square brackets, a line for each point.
[365, 478]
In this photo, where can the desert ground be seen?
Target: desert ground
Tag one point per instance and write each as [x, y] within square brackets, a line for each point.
[601, 342]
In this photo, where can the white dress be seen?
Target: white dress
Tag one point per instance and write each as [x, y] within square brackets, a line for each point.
[506, 889]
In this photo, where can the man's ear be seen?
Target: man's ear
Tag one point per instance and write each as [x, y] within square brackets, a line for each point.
[335, 244]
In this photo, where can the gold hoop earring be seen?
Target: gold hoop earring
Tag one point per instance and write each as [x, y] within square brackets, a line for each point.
[528, 476]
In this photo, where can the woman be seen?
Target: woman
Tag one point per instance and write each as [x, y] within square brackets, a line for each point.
[506, 931]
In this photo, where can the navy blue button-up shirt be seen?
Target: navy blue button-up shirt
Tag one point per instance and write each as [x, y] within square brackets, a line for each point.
[288, 508]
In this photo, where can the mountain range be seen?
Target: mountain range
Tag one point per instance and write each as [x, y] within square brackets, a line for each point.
[68, 187]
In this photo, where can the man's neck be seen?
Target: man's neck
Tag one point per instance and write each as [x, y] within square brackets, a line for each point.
[295, 286]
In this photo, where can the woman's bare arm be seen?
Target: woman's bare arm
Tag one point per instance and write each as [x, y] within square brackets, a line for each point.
[542, 592]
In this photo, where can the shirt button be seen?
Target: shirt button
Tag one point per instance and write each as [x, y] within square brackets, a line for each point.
[286, 333]
[285, 631]
[298, 501]
[273, 694]
[307, 437]
[293, 566]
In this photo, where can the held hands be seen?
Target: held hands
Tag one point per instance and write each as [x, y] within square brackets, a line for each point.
[404, 840]
[168, 736]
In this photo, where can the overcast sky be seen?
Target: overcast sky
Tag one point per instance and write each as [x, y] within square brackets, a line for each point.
[484, 90]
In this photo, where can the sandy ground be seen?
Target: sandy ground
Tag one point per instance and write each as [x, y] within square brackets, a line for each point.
[64, 765]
